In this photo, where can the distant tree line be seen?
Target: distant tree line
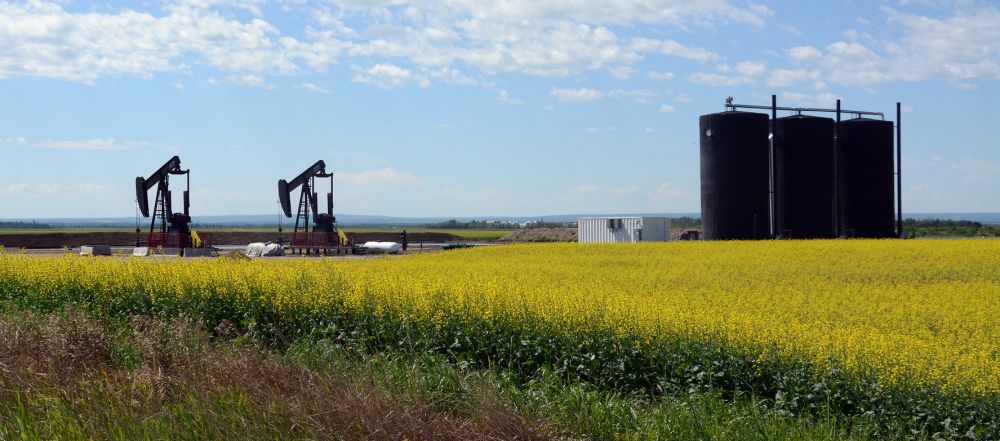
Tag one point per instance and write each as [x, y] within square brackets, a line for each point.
[948, 227]
[453, 224]
[685, 222]
[20, 225]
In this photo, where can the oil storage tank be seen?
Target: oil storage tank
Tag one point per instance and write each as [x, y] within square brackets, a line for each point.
[734, 175]
[803, 177]
[865, 178]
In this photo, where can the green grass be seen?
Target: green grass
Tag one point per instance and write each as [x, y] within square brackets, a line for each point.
[65, 377]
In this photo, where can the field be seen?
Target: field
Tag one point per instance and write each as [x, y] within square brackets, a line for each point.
[468, 234]
[858, 339]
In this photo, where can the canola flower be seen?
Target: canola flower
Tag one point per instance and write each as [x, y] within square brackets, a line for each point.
[910, 313]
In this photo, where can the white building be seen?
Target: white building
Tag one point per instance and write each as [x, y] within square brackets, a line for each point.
[623, 229]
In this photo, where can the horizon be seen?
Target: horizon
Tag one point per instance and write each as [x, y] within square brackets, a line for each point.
[470, 109]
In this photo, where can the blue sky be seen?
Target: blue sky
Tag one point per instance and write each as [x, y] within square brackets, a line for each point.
[468, 108]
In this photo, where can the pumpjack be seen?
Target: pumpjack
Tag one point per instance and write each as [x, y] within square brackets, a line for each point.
[167, 229]
[325, 234]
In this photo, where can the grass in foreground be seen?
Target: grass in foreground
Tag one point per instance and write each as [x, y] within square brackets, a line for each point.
[70, 375]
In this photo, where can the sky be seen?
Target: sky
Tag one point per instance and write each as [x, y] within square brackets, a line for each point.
[470, 108]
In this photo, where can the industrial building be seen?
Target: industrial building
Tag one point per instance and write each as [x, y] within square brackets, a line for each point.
[623, 229]
[800, 176]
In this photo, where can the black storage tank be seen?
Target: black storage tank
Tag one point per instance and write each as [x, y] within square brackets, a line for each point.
[865, 178]
[803, 177]
[734, 176]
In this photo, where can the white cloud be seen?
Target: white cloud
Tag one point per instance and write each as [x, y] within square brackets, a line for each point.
[41, 39]
[385, 76]
[581, 191]
[751, 68]
[416, 41]
[975, 171]
[959, 48]
[385, 176]
[312, 87]
[179, 86]
[576, 95]
[248, 80]
[679, 97]
[667, 108]
[718, 80]
[622, 72]
[804, 53]
[670, 192]
[638, 95]
[791, 77]
[660, 76]
[50, 191]
[453, 76]
[505, 97]
[600, 129]
[671, 47]
[106, 144]
[825, 99]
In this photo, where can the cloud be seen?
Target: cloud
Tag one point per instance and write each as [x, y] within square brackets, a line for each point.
[825, 99]
[660, 76]
[671, 47]
[790, 77]
[50, 191]
[719, 80]
[751, 68]
[505, 97]
[600, 129]
[558, 38]
[314, 88]
[804, 53]
[453, 76]
[109, 144]
[386, 76]
[976, 171]
[581, 191]
[670, 192]
[622, 72]
[248, 80]
[41, 39]
[959, 48]
[666, 108]
[638, 95]
[576, 95]
[385, 176]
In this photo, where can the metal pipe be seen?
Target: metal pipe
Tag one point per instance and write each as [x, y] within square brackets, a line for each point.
[836, 175]
[770, 165]
[803, 109]
[899, 169]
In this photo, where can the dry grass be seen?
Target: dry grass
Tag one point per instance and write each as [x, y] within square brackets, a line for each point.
[151, 364]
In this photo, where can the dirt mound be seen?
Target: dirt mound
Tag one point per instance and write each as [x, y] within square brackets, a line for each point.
[541, 235]
[122, 239]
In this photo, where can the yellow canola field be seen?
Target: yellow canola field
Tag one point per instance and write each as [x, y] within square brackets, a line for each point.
[918, 312]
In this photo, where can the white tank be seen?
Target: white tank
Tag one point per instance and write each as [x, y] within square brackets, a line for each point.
[382, 247]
